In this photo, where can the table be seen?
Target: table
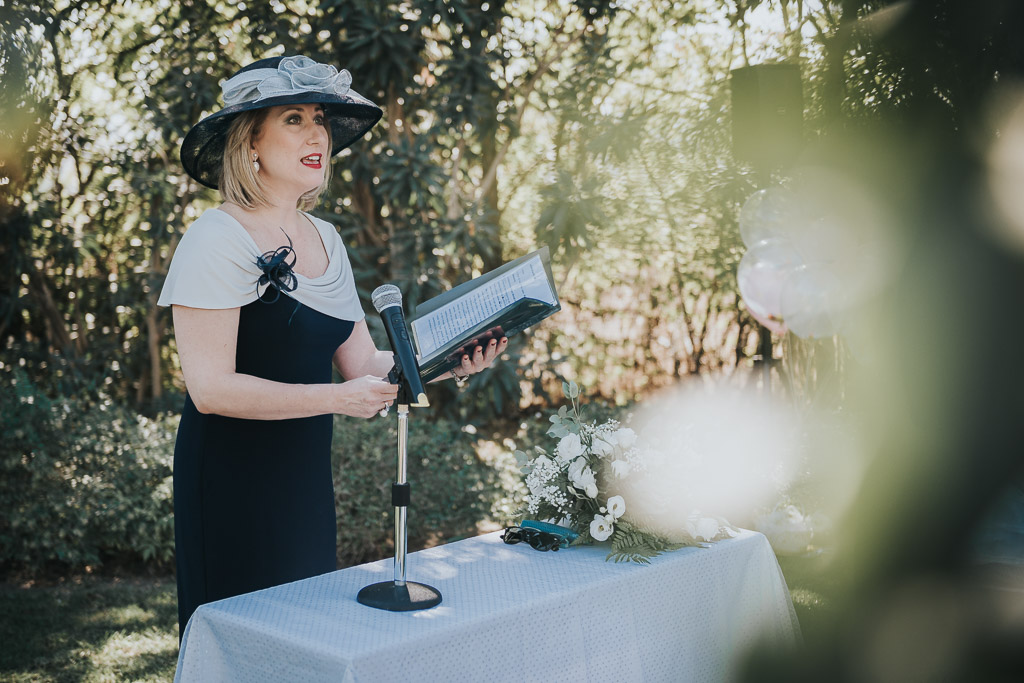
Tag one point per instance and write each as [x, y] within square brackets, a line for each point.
[509, 613]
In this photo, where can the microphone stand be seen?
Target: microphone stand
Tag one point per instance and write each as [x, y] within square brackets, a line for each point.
[400, 595]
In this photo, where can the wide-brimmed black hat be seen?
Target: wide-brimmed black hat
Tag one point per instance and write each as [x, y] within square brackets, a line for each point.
[271, 82]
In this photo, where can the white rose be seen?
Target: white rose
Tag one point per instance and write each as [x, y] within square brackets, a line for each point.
[569, 447]
[616, 506]
[620, 468]
[600, 447]
[625, 437]
[703, 528]
[601, 528]
[707, 528]
[575, 467]
[582, 477]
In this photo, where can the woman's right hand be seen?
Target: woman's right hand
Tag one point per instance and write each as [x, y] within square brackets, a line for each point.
[366, 396]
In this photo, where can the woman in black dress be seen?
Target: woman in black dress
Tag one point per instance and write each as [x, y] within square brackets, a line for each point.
[263, 301]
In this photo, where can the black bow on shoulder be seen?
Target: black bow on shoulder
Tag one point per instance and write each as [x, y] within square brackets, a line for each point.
[277, 272]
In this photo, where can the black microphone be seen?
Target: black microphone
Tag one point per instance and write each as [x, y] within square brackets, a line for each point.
[387, 299]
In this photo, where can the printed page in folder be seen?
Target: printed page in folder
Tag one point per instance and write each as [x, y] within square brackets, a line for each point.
[500, 303]
[528, 280]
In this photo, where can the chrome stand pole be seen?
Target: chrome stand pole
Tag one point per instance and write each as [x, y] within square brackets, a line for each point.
[400, 595]
[401, 523]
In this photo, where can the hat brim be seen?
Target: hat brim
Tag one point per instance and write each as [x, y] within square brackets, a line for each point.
[202, 151]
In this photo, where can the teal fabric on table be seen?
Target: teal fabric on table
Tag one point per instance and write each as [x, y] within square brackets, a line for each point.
[548, 527]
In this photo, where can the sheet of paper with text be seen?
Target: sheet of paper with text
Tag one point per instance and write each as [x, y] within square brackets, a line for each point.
[526, 281]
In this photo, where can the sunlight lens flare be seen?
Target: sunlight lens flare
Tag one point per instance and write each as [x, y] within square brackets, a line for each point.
[818, 247]
[1006, 169]
[714, 450]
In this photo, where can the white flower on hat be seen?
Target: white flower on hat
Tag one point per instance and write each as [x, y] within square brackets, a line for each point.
[602, 527]
[307, 74]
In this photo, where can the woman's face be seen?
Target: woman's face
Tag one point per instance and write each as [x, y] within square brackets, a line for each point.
[292, 145]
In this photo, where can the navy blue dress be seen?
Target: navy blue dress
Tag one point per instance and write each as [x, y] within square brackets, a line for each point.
[254, 499]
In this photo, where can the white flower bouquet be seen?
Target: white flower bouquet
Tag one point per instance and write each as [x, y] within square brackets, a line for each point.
[574, 486]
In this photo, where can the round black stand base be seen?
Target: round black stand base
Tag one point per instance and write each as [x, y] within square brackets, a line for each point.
[394, 598]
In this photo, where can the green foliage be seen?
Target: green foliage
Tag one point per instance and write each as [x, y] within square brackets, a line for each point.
[85, 484]
[488, 395]
[584, 120]
[636, 196]
[572, 211]
[604, 133]
[82, 482]
[94, 201]
[565, 422]
[630, 544]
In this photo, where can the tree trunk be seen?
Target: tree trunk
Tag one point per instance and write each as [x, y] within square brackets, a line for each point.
[489, 198]
[57, 334]
[364, 204]
[154, 336]
[154, 342]
[834, 90]
[741, 341]
[401, 251]
[700, 335]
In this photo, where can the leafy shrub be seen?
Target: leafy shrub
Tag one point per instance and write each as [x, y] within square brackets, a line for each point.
[461, 483]
[81, 481]
[453, 488]
[88, 482]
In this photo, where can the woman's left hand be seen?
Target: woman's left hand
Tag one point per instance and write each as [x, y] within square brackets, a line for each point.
[481, 358]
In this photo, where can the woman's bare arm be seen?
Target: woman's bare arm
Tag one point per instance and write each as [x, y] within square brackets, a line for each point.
[359, 356]
[206, 341]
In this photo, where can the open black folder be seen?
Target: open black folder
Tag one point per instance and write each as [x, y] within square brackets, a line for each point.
[497, 304]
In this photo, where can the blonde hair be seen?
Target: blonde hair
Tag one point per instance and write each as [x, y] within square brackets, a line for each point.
[239, 181]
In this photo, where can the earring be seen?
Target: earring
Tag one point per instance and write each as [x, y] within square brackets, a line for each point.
[255, 162]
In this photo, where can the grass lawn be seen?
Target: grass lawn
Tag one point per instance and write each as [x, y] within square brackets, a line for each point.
[811, 587]
[91, 629]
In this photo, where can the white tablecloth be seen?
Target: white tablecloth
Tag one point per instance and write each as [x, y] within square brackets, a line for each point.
[509, 613]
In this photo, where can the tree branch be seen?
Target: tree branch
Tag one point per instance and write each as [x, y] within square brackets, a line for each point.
[490, 177]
